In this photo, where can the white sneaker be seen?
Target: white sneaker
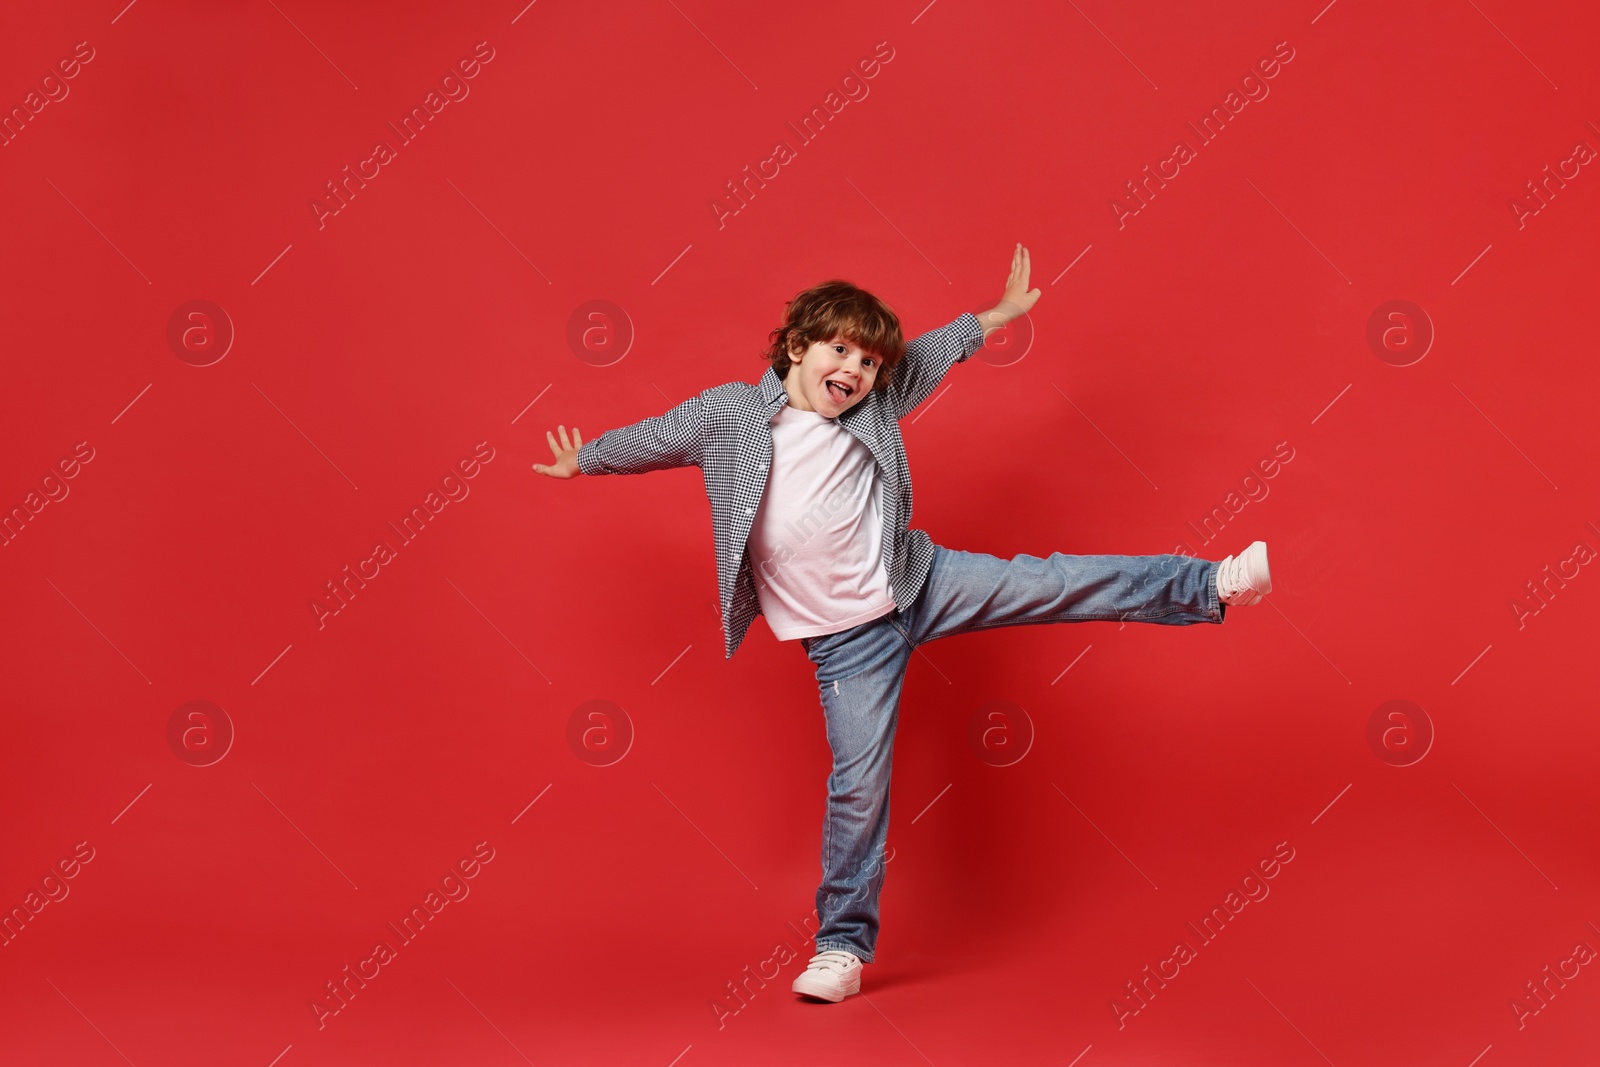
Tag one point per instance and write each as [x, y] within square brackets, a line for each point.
[1242, 580]
[832, 975]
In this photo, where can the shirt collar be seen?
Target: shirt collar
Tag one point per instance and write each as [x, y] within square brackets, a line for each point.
[772, 389]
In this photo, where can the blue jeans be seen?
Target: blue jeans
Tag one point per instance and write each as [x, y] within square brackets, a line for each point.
[860, 670]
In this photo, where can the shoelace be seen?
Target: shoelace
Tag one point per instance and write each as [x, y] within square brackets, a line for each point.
[831, 960]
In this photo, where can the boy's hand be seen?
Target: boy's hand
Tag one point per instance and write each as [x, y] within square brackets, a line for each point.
[566, 453]
[1017, 300]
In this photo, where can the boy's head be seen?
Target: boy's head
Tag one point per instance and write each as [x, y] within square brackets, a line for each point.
[835, 332]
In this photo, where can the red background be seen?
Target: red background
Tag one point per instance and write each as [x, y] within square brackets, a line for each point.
[372, 753]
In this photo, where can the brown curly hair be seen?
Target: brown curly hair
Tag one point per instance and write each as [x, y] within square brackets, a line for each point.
[837, 308]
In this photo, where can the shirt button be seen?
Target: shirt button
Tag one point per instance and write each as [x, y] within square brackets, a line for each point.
[749, 511]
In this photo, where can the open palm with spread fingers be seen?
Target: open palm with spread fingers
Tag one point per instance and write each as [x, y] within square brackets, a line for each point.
[1017, 300]
[566, 453]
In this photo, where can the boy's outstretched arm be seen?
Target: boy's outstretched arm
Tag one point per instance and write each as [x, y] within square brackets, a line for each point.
[930, 356]
[660, 442]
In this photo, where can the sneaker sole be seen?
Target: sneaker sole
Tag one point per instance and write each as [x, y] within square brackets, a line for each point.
[831, 995]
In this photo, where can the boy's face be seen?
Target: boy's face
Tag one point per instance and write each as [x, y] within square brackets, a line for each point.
[838, 361]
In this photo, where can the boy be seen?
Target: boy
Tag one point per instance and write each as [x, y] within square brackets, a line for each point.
[810, 503]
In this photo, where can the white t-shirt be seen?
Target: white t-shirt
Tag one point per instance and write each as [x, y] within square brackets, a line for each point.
[816, 548]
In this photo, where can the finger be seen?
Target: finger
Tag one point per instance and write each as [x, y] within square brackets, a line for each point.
[555, 449]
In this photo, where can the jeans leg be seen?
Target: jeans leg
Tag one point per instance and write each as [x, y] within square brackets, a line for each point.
[967, 591]
[859, 675]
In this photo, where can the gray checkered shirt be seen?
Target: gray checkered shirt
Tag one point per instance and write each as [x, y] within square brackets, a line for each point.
[726, 431]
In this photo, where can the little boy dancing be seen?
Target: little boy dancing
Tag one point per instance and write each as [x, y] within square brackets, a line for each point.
[810, 503]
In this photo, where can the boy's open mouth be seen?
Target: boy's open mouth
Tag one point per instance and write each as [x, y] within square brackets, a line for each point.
[840, 391]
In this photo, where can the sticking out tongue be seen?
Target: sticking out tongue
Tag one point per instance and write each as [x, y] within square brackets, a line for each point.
[837, 391]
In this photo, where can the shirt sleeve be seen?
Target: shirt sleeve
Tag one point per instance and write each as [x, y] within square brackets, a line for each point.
[928, 359]
[660, 442]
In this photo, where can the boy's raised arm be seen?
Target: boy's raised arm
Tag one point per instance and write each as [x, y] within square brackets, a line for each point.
[660, 442]
[930, 356]
[928, 359]
[674, 438]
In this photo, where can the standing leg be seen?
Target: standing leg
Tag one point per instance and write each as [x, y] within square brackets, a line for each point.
[859, 674]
